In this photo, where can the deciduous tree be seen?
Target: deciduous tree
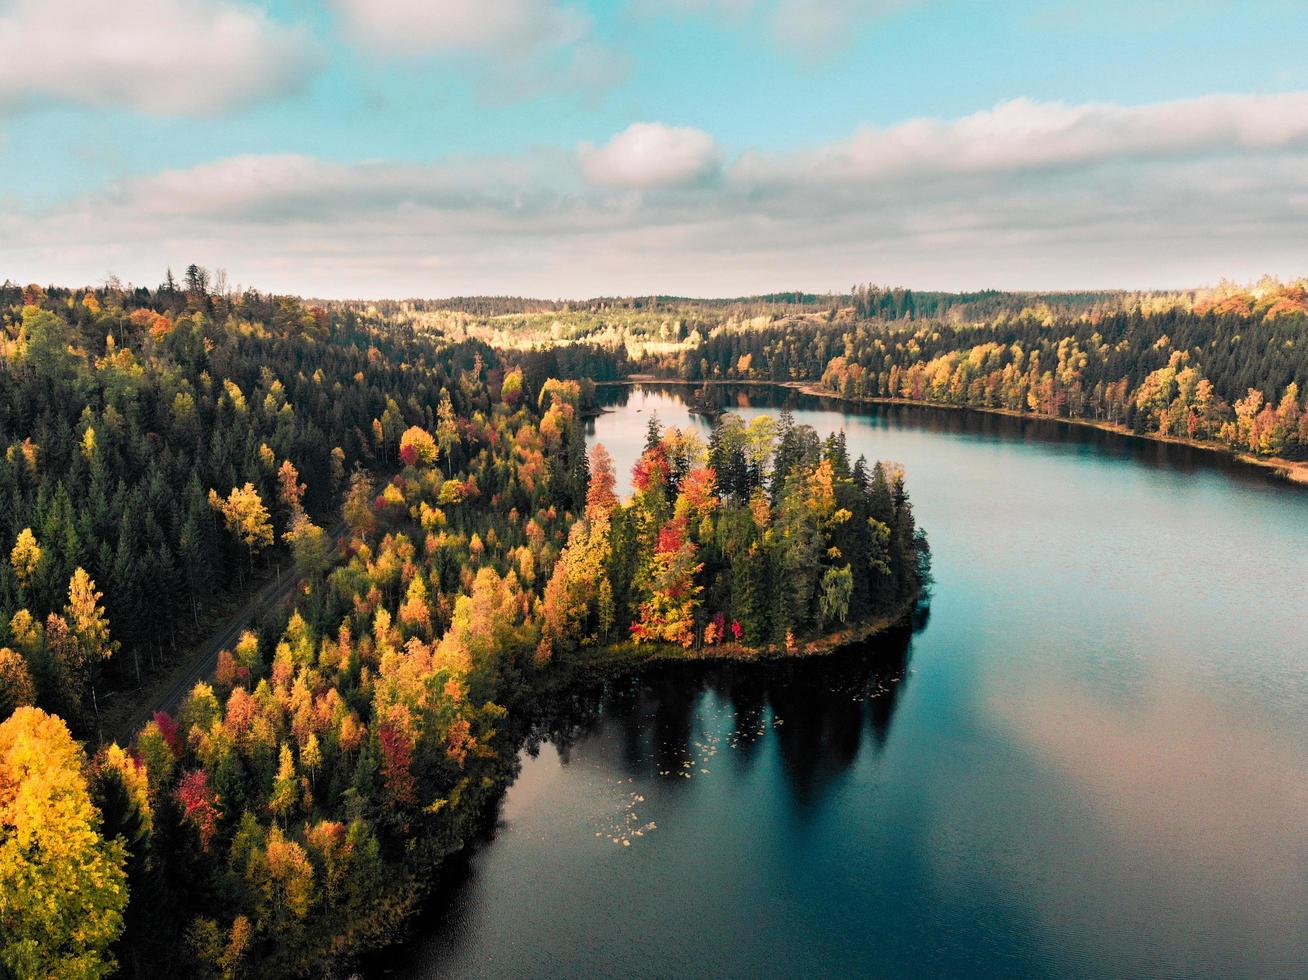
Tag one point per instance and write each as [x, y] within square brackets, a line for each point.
[62, 885]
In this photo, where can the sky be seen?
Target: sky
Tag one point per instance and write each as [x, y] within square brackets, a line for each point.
[396, 148]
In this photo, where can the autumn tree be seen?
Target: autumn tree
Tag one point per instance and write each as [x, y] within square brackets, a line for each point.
[600, 496]
[417, 447]
[16, 686]
[62, 885]
[290, 491]
[25, 558]
[357, 508]
[89, 631]
[246, 517]
[311, 548]
[668, 615]
[569, 607]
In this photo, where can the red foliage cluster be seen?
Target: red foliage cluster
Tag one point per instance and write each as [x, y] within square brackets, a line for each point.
[651, 468]
[700, 488]
[671, 537]
[168, 729]
[199, 805]
[397, 762]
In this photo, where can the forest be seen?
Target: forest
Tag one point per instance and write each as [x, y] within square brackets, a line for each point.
[456, 550]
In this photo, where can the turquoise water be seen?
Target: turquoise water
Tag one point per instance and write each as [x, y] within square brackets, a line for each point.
[1090, 758]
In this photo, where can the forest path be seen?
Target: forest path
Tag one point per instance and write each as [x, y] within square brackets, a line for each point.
[168, 693]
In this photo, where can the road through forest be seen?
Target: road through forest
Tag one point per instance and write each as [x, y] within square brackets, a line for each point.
[203, 658]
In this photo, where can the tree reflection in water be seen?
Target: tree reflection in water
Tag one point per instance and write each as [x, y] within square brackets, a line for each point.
[821, 711]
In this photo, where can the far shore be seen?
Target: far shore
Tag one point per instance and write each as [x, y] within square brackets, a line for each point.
[1294, 471]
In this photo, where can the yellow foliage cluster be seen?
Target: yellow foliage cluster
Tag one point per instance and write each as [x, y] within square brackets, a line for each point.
[62, 885]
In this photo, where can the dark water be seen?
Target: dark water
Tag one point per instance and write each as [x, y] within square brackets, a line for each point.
[1092, 759]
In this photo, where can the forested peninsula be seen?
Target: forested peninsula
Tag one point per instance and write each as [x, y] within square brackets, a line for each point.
[455, 550]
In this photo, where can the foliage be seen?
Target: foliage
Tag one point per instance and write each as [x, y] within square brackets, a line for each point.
[62, 885]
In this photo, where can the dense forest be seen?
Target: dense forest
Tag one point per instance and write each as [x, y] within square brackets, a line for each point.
[167, 448]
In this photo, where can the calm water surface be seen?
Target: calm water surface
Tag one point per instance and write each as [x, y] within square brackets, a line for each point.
[1090, 759]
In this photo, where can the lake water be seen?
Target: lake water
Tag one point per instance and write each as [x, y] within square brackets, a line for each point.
[1090, 759]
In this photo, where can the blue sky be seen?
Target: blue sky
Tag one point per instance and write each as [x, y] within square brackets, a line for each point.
[436, 147]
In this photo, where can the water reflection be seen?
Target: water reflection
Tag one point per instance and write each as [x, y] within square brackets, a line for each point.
[1197, 816]
[821, 712]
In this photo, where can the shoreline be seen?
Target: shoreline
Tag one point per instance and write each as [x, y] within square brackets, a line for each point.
[620, 658]
[1288, 470]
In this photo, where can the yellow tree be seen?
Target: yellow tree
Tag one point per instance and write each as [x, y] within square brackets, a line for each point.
[62, 885]
[246, 517]
[86, 618]
[311, 548]
[417, 447]
[285, 786]
[88, 642]
[574, 588]
[25, 557]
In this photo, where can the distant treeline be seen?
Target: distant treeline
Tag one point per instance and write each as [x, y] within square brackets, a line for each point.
[1226, 365]
[1235, 378]
[864, 300]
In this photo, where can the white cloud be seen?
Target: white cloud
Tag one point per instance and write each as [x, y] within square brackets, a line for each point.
[168, 57]
[1022, 196]
[520, 46]
[652, 155]
[1025, 135]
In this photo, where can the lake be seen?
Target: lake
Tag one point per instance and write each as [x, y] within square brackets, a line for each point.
[1090, 757]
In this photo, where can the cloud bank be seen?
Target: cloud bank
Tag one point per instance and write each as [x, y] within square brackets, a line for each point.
[1023, 195]
[1026, 135]
[165, 57]
[425, 26]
